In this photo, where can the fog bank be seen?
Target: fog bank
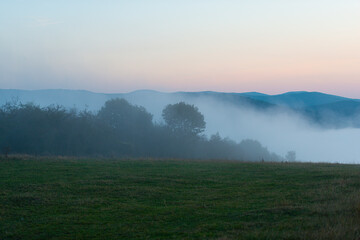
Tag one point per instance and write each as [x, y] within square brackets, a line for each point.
[279, 130]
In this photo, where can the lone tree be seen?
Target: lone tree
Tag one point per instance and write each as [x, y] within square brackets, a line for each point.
[126, 124]
[184, 119]
[120, 115]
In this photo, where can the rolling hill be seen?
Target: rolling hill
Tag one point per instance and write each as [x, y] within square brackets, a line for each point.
[94, 101]
[324, 109]
[298, 100]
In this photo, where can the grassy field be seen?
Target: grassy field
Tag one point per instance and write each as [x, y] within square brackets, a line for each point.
[157, 199]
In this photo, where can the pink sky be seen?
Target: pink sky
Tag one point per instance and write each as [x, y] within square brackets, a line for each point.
[233, 46]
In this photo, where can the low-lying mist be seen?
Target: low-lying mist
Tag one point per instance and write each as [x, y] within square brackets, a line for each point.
[279, 130]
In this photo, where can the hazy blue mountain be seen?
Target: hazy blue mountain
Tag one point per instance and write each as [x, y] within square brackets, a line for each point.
[233, 98]
[337, 114]
[68, 98]
[344, 108]
[94, 101]
[255, 95]
[325, 109]
[297, 100]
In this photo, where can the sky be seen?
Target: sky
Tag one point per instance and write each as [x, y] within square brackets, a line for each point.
[270, 46]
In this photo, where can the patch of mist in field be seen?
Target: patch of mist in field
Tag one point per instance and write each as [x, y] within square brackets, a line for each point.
[278, 130]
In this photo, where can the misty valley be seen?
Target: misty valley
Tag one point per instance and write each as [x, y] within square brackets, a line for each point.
[301, 126]
[152, 165]
[179, 120]
[119, 129]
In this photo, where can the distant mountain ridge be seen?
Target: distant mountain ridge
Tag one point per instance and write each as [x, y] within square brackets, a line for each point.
[74, 97]
[298, 99]
[83, 99]
[323, 108]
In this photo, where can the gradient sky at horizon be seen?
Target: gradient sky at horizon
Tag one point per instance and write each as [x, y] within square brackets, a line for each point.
[269, 46]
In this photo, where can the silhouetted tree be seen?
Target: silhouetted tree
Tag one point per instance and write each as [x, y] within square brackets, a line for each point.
[183, 118]
[120, 115]
[118, 129]
[252, 150]
[131, 124]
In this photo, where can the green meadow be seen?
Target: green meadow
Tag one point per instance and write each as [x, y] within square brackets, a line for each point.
[68, 198]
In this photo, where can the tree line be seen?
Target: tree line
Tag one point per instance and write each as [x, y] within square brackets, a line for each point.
[118, 129]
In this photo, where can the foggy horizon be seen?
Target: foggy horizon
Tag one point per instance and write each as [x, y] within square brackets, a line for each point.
[277, 128]
[270, 47]
[177, 91]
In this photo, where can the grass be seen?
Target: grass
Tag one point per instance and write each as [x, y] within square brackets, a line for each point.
[157, 199]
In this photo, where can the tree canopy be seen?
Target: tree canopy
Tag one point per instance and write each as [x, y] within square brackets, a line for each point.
[119, 129]
[122, 116]
[184, 118]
